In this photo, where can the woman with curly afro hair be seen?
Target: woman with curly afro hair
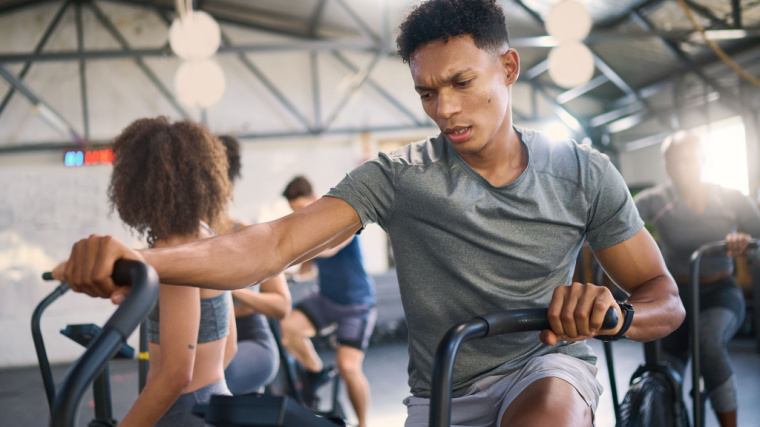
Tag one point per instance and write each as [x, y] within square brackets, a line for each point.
[170, 183]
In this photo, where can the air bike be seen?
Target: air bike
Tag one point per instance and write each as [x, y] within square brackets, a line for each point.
[697, 394]
[655, 396]
[110, 340]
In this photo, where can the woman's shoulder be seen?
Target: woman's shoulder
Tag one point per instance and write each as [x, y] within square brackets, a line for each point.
[179, 239]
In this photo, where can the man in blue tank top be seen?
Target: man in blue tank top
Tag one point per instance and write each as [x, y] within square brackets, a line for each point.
[345, 303]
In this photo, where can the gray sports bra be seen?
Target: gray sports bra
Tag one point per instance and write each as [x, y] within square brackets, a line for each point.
[214, 325]
[215, 316]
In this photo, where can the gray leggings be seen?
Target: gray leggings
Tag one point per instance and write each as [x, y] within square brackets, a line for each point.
[721, 314]
[254, 366]
[180, 413]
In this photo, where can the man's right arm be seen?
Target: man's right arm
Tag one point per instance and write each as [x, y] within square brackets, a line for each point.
[231, 261]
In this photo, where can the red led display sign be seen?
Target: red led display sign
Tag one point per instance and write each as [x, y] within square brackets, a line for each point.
[75, 158]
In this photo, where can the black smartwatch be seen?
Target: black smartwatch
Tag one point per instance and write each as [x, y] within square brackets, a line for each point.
[627, 310]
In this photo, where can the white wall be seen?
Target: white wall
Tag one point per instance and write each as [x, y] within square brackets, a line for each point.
[643, 167]
[44, 208]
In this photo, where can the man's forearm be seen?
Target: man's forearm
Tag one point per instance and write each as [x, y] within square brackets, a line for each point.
[232, 261]
[658, 310]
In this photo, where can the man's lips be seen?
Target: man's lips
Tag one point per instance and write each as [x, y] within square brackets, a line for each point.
[456, 130]
[459, 134]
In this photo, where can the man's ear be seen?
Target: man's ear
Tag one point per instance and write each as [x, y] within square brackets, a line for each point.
[510, 61]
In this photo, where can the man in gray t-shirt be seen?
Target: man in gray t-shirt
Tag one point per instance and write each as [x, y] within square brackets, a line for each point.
[482, 218]
[465, 247]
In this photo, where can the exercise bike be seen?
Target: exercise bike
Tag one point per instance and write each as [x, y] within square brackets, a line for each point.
[103, 347]
[698, 395]
[489, 325]
[655, 396]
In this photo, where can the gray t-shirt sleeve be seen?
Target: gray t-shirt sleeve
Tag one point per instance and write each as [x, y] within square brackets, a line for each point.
[613, 217]
[369, 190]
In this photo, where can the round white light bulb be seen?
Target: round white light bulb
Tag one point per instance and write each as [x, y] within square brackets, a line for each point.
[200, 83]
[197, 36]
[568, 20]
[571, 64]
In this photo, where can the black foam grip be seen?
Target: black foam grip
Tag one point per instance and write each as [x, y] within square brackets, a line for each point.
[534, 319]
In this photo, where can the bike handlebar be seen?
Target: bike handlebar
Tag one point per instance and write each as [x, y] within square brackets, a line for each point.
[708, 249]
[138, 303]
[525, 320]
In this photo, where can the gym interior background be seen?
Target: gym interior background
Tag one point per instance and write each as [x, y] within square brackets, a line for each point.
[314, 87]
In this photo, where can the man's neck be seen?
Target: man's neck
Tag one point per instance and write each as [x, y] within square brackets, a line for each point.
[502, 160]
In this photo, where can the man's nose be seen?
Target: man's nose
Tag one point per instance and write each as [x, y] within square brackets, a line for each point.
[448, 104]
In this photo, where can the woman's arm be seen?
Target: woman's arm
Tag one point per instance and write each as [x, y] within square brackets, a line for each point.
[273, 301]
[180, 319]
[306, 271]
[334, 250]
[230, 346]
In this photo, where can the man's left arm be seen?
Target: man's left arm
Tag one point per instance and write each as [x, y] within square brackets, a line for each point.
[636, 266]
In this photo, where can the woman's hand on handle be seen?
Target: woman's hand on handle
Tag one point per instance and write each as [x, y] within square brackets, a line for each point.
[576, 313]
[89, 267]
[736, 243]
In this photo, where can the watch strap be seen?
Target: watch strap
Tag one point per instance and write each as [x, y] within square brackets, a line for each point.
[627, 310]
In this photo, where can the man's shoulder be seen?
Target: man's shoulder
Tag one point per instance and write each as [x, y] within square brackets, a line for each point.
[565, 159]
[429, 150]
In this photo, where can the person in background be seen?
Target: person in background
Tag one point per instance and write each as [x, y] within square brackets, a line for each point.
[686, 213]
[169, 182]
[346, 300]
[257, 360]
[483, 217]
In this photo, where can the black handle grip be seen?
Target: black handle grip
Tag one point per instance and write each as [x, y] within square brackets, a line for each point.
[121, 272]
[533, 319]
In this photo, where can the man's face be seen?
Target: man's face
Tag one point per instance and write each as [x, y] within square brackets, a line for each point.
[300, 202]
[683, 163]
[465, 90]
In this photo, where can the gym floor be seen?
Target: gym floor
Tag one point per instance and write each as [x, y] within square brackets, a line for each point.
[22, 398]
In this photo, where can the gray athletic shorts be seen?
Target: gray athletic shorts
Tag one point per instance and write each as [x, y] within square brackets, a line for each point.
[487, 399]
[353, 324]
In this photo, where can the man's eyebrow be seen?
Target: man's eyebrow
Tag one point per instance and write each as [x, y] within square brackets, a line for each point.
[449, 79]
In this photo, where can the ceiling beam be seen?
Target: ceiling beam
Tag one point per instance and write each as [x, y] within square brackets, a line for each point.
[82, 73]
[37, 50]
[707, 13]
[726, 98]
[379, 89]
[111, 28]
[47, 113]
[281, 98]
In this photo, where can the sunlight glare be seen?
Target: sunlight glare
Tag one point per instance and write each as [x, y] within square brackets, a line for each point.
[726, 154]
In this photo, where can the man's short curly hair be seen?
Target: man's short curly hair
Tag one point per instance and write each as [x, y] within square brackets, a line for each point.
[298, 187]
[432, 20]
[167, 177]
[232, 145]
